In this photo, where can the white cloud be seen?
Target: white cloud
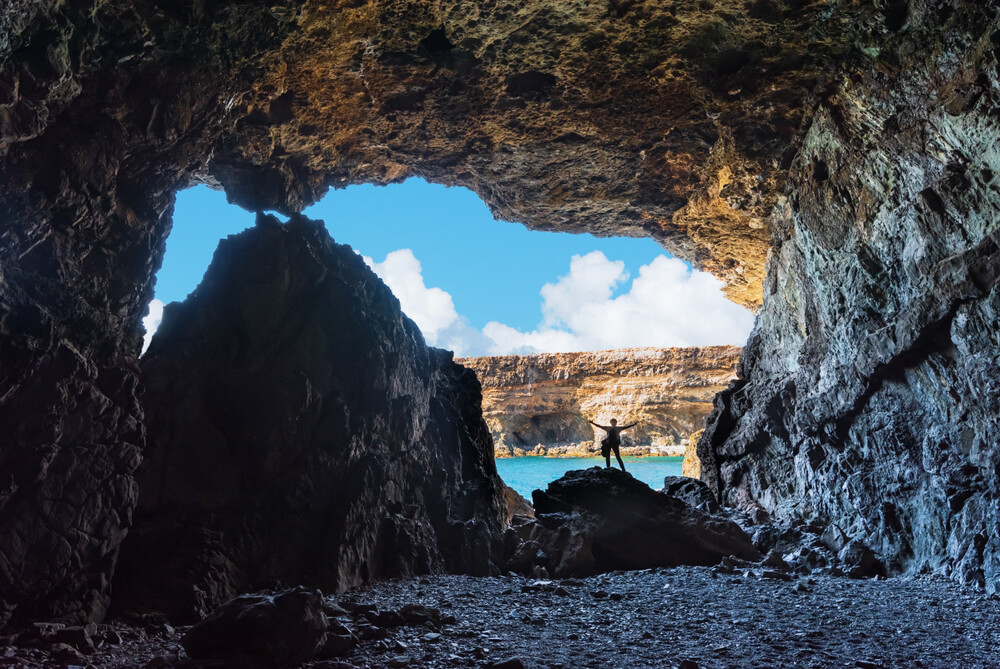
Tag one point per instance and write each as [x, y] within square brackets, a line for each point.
[432, 309]
[666, 305]
[151, 322]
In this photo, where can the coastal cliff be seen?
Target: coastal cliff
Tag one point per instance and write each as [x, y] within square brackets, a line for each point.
[540, 404]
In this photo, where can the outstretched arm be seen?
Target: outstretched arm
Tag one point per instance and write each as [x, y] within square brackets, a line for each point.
[603, 427]
[625, 427]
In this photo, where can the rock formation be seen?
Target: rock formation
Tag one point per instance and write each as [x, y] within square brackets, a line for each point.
[869, 395]
[540, 404]
[597, 520]
[300, 431]
[850, 143]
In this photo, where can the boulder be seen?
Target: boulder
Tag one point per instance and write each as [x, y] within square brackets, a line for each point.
[597, 520]
[270, 629]
[692, 491]
[859, 561]
[300, 431]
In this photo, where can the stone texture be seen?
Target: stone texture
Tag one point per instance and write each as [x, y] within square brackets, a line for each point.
[691, 466]
[96, 132]
[869, 394]
[300, 431]
[597, 520]
[278, 630]
[540, 404]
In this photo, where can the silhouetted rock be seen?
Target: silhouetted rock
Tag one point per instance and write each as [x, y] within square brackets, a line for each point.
[300, 431]
[280, 629]
[598, 520]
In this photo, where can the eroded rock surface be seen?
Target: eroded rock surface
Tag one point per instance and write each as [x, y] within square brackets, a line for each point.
[300, 431]
[870, 393]
[540, 404]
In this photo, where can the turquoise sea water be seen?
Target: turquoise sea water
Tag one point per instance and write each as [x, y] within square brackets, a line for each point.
[531, 472]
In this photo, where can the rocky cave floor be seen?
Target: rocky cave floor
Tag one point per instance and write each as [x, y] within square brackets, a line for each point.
[651, 618]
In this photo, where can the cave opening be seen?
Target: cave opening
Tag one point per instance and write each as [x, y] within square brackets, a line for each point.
[479, 286]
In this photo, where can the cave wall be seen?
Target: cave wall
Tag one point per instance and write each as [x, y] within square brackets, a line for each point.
[105, 109]
[869, 395]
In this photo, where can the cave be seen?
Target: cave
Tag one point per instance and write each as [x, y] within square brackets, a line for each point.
[833, 163]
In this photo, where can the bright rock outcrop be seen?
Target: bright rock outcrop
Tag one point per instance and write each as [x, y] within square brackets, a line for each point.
[540, 404]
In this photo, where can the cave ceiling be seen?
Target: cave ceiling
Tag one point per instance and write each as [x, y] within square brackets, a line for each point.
[673, 120]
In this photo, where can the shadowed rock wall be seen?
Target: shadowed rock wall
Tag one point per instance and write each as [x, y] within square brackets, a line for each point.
[870, 395]
[300, 431]
[546, 399]
[105, 109]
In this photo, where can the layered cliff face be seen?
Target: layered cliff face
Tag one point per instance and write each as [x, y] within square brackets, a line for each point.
[870, 396]
[540, 404]
[300, 431]
[855, 137]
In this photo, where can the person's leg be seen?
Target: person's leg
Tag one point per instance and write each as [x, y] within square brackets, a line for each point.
[606, 452]
[619, 456]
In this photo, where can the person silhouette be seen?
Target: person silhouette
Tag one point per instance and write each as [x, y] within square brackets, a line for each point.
[613, 441]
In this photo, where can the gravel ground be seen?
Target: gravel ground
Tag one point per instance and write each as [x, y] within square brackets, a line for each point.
[653, 618]
[658, 618]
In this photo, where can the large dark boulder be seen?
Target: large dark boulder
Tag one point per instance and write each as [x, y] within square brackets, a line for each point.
[300, 431]
[597, 520]
[262, 629]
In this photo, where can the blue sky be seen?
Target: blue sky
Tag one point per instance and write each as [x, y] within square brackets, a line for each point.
[477, 285]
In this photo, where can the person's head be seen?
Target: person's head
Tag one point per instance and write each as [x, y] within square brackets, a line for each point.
[614, 421]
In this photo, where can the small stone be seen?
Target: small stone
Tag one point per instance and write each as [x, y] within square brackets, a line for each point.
[616, 596]
[561, 591]
[389, 619]
[776, 575]
[432, 637]
[369, 632]
[599, 594]
[647, 635]
[510, 663]
[337, 645]
[687, 664]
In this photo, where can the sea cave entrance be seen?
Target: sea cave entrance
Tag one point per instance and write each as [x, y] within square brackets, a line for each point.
[591, 318]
